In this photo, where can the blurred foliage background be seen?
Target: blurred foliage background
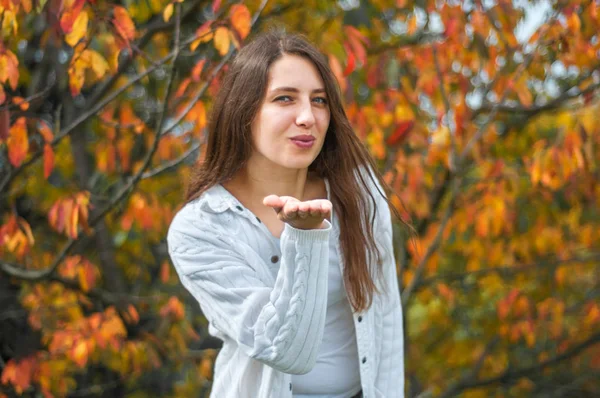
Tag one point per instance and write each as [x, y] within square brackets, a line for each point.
[482, 115]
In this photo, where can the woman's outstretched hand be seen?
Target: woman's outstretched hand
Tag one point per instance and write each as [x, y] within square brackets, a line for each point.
[300, 215]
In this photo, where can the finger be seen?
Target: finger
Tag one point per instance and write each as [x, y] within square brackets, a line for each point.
[290, 210]
[273, 201]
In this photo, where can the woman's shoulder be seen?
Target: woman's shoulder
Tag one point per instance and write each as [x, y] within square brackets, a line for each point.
[194, 217]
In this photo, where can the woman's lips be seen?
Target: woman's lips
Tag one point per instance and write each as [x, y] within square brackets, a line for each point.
[303, 142]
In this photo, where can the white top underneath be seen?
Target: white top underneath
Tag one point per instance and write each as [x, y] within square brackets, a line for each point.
[336, 373]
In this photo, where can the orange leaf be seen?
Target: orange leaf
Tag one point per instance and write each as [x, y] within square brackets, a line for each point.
[123, 23]
[74, 221]
[197, 70]
[48, 160]
[18, 142]
[2, 97]
[240, 19]
[165, 272]
[46, 132]
[21, 103]
[64, 222]
[204, 34]
[80, 353]
[19, 373]
[135, 317]
[222, 41]
[338, 72]
[9, 69]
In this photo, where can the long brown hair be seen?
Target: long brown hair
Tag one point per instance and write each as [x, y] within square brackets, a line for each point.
[229, 146]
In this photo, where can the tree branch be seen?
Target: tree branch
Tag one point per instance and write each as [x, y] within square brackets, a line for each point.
[420, 270]
[33, 275]
[511, 270]
[524, 372]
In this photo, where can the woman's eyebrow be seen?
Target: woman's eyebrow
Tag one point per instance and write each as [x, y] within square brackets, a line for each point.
[295, 90]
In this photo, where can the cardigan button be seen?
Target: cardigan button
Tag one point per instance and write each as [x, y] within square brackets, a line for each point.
[240, 208]
[258, 219]
[274, 259]
[360, 318]
[290, 386]
[364, 359]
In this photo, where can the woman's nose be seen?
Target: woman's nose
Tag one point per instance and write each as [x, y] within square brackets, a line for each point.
[305, 117]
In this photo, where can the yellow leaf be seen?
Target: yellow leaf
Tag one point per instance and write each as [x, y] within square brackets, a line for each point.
[99, 64]
[79, 29]
[222, 41]
[10, 25]
[168, 12]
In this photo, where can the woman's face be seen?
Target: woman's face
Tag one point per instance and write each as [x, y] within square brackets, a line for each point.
[290, 126]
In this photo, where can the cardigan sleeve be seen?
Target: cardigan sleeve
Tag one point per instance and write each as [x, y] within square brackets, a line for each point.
[280, 325]
[390, 374]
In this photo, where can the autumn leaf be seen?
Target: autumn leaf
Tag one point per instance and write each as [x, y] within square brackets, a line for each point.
[400, 133]
[240, 19]
[222, 41]
[18, 142]
[21, 103]
[79, 29]
[350, 64]
[165, 272]
[98, 63]
[9, 68]
[197, 70]
[123, 23]
[48, 160]
[46, 132]
[168, 12]
[204, 34]
[216, 4]
[69, 16]
[338, 72]
[80, 353]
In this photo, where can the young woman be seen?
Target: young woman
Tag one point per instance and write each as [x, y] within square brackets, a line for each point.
[286, 237]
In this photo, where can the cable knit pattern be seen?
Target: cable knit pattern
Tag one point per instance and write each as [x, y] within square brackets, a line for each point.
[267, 300]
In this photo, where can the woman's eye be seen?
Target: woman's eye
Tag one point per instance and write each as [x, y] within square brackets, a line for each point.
[320, 100]
[283, 98]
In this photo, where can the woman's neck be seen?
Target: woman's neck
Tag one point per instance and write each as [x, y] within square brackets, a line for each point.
[255, 183]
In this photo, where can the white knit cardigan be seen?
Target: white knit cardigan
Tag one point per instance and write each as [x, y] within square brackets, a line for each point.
[268, 303]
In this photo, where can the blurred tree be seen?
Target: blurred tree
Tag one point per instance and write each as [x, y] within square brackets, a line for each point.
[490, 141]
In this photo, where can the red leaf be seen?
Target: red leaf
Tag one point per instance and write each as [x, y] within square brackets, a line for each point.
[451, 27]
[357, 41]
[400, 133]
[48, 160]
[216, 5]
[350, 65]
[4, 122]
